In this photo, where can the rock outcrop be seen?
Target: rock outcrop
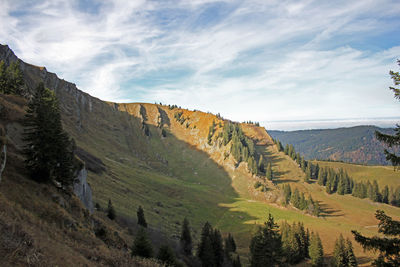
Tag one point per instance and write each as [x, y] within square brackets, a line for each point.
[82, 189]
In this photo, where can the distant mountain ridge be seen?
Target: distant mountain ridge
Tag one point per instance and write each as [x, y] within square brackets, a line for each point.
[353, 144]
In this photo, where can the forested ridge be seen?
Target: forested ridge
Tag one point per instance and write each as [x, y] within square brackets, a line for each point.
[354, 144]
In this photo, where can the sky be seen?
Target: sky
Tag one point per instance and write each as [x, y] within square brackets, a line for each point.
[285, 64]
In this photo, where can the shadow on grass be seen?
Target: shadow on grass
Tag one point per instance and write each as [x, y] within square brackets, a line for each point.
[282, 181]
[328, 212]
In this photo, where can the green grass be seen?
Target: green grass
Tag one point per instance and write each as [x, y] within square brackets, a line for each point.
[172, 180]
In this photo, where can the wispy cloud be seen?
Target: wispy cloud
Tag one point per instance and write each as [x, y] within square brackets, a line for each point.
[258, 60]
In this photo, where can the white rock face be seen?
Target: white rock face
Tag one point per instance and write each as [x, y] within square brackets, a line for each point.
[3, 157]
[82, 190]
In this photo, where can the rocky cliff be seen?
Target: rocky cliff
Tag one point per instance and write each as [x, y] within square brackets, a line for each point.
[83, 190]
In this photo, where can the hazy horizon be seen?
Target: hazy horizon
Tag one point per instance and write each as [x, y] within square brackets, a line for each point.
[295, 125]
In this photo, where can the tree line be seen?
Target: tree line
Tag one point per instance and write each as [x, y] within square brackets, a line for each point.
[340, 182]
[274, 245]
[299, 201]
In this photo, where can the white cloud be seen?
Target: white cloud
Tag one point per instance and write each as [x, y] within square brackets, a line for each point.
[258, 60]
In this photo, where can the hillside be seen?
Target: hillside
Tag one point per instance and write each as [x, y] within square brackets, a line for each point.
[178, 175]
[354, 144]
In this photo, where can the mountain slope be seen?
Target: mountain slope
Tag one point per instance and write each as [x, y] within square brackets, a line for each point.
[181, 175]
[355, 144]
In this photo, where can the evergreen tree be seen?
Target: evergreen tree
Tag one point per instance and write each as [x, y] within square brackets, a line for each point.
[291, 243]
[295, 198]
[141, 245]
[376, 196]
[340, 253]
[298, 158]
[166, 255]
[388, 246]
[287, 192]
[205, 250]
[216, 243]
[308, 174]
[316, 250]
[49, 151]
[261, 164]
[269, 173]
[322, 177]
[328, 186]
[385, 194]
[315, 172]
[351, 258]
[230, 244]
[11, 78]
[303, 164]
[140, 217]
[236, 262]
[341, 186]
[266, 245]
[286, 150]
[303, 202]
[111, 211]
[3, 77]
[392, 140]
[186, 238]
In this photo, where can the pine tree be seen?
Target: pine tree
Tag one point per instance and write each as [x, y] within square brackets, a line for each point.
[111, 211]
[340, 254]
[286, 150]
[316, 250]
[388, 246]
[205, 250]
[315, 172]
[295, 198]
[49, 151]
[236, 262]
[216, 243]
[269, 173]
[266, 245]
[261, 164]
[303, 164]
[230, 244]
[141, 245]
[291, 243]
[392, 140]
[385, 195]
[341, 186]
[322, 177]
[303, 202]
[351, 258]
[166, 255]
[287, 192]
[140, 217]
[308, 174]
[186, 238]
[15, 79]
[3, 77]
[376, 196]
[298, 158]
[11, 78]
[328, 185]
